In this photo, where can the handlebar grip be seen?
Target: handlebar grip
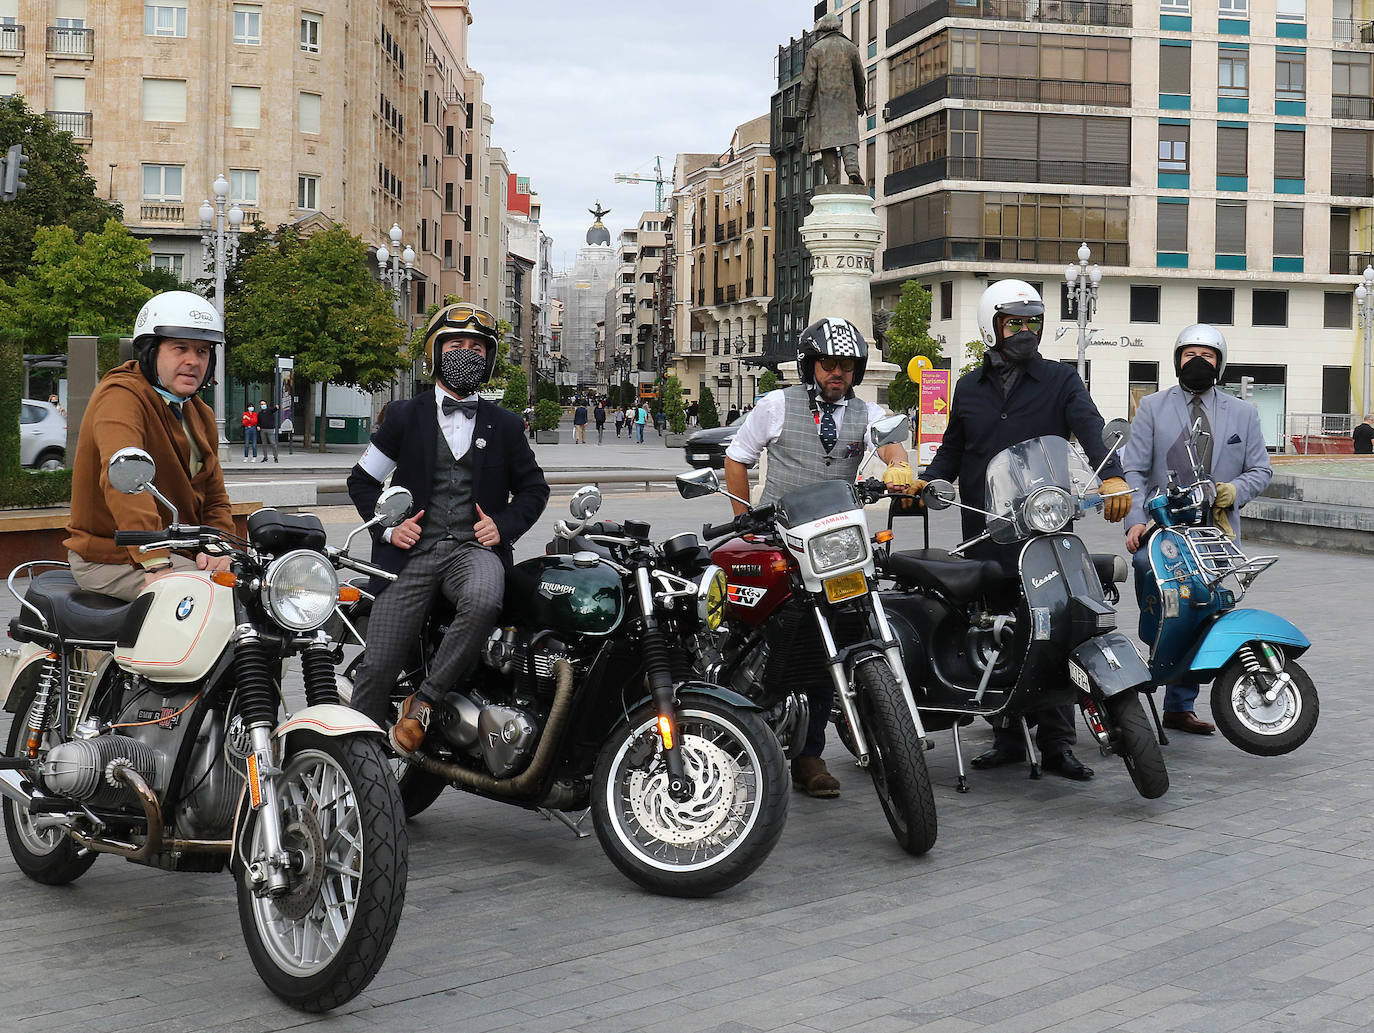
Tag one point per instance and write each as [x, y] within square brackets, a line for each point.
[709, 531]
[126, 538]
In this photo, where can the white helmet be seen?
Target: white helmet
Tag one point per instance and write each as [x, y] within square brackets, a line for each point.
[175, 314]
[1007, 298]
[1201, 335]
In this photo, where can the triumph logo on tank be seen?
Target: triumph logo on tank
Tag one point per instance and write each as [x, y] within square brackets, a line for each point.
[549, 588]
[747, 596]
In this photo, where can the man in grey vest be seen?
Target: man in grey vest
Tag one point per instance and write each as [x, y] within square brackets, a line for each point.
[815, 431]
[477, 488]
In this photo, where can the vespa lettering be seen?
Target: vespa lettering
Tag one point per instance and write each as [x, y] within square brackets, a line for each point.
[1037, 582]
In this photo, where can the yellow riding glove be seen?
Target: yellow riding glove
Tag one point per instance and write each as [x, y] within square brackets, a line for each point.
[1116, 508]
[1221, 509]
[898, 477]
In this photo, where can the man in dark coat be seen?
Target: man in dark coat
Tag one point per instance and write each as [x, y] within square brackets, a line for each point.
[477, 489]
[832, 98]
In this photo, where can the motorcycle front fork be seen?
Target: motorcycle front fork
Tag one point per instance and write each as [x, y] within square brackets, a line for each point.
[659, 671]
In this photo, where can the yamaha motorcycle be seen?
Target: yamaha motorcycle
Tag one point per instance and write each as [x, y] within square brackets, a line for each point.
[585, 698]
[978, 643]
[152, 731]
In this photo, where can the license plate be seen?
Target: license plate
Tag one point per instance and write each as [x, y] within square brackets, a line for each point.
[846, 586]
[1079, 677]
[699, 457]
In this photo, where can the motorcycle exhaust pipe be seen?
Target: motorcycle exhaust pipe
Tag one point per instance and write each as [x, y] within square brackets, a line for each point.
[11, 787]
[527, 782]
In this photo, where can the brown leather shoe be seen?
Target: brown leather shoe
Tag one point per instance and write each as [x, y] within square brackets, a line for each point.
[809, 774]
[1187, 721]
[408, 733]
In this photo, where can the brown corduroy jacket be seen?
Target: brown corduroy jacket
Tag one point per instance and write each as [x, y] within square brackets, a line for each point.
[125, 411]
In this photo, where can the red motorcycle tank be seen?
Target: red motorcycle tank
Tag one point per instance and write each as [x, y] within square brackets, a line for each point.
[757, 579]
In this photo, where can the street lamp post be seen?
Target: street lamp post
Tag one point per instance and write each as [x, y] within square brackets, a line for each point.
[739, 373]
[395, 268]
[219, 230]
[1364, 296]
[1083, 281]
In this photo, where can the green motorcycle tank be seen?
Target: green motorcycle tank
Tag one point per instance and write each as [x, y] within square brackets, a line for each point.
[554, 592]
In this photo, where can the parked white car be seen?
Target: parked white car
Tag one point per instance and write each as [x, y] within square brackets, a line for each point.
[42, 435]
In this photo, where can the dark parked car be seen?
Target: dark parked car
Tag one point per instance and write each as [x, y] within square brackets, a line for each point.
[707, 447]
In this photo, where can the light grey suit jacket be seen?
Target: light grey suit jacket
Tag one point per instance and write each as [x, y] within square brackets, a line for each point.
[1238, 453]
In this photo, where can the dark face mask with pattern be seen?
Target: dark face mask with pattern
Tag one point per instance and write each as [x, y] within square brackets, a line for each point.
[462, 370]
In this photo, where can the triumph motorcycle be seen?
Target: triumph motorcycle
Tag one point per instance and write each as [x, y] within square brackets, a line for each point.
[152, 730]
[584, 698]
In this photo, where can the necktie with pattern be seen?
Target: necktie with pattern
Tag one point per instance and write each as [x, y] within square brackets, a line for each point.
[829, 432]
[1204, 447]
[176, 410]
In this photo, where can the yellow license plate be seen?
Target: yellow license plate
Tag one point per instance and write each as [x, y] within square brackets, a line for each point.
[846, 586]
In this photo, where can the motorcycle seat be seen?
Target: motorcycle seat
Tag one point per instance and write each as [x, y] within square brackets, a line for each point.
[960, 579]
[73, 612]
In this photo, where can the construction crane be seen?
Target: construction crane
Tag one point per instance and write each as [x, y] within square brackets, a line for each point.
[656, 179]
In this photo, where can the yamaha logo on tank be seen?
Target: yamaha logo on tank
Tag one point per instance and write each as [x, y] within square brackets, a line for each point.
[185, 607]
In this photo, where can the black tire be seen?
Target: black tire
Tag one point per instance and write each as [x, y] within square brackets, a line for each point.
[419, 788]
[1135, 742]
[321, 944]
[51, 857]
[896, 758]
[728, 827]
[1265, 730]
[50, 459]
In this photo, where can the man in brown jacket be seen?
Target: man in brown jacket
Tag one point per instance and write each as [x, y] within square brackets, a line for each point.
[150, 403]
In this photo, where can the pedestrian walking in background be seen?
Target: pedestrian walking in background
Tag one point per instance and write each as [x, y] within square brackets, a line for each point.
[641, 418]
[580, 424]
[693, 411]
[619, 420]
[1364, 437]
[599, 415]
[250, 431]
[267, 429]
[732, 415]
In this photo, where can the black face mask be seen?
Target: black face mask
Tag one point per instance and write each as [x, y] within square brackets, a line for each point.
[462, 370]
[1197, 375]
[1020, 347]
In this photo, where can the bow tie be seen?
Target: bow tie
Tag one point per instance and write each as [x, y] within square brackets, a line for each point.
[468, 406]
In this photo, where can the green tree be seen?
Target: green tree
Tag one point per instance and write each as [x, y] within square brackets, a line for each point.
[85, 286]
[708, 416]
[908, 335]
[60, 190]
[768, 381]
[159, 280]
[673, 408]
[315, 298]
[517, 393]
[974, 349]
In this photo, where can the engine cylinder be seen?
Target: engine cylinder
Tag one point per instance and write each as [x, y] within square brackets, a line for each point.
[80, 769]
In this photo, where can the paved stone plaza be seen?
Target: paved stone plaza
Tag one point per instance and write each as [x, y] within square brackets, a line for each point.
[1239, 901]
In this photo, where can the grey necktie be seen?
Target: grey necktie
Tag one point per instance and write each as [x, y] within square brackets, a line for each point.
[1204, 448]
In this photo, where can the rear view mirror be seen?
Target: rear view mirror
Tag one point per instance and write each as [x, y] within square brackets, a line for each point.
[891, 430]
[1116, 433]
[697, 483]
[131, 471]
[393, 506]
[938, 495]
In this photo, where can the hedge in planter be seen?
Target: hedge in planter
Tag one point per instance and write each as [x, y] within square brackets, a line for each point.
[20, 487]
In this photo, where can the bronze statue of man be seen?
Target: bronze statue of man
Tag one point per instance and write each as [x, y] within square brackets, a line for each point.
[832, 99]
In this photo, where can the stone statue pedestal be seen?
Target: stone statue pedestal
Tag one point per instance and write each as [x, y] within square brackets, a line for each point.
[842, 233]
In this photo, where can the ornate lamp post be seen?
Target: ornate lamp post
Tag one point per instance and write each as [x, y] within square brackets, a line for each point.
[739, 344]
[219, 232]
[1083, 282]
[395, 268]
[1364, 297]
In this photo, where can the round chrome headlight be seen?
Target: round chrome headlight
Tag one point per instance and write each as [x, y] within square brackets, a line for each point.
[300, 590]
[711, 597]
[1048, 509]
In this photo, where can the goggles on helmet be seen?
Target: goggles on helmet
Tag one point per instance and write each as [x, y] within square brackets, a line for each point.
[455, 318]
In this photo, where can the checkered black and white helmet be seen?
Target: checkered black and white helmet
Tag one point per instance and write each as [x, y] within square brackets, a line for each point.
[838, 337]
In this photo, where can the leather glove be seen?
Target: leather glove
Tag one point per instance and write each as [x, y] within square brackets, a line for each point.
[898, 477]
[1115, 509]
[1221, 509]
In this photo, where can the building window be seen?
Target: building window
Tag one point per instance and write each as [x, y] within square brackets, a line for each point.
[1233, 8]
[1291, 10]
[1216, 305]
[308, 112]
[1171, 227]
[245, 107]
[248, 24]
[947, 299]
[1233, 144]
[1230, 239]
[243, 187]
[1268, 308]
[9, 84]
[1183, 7]
[162, 183]
[311, 27]
[1350, 85]
[173, 264]
[167, 18]
[1173, 148]
[1145, 303]
[1175, 69]
[1143, 380]
[1289, 145]
[164, 100]
[1337, 310]
[1290, 76]
[308, 193]
[1233, 73]
[1287, 231]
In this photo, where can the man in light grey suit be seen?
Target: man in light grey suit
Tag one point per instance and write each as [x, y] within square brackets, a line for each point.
[1233, 456]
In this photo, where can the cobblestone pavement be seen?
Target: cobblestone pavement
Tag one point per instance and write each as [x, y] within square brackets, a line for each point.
[1238, 901]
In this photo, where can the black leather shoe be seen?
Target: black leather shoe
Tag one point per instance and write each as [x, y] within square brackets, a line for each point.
[997, 757]
[1066, 764]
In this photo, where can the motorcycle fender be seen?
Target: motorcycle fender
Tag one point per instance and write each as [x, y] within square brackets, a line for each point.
[702, 688]
[1108, 665]
[19, 672]
[1234, 628]
[331, 719]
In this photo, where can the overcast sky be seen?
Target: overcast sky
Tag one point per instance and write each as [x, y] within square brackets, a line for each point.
[580, 92]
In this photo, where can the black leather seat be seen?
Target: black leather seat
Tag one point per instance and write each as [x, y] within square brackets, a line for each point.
[73, 612]
[958, 578]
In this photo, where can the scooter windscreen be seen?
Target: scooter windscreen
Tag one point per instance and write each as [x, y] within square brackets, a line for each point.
[1034, 487]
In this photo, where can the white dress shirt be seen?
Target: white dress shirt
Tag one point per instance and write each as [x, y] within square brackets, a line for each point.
[764, 423]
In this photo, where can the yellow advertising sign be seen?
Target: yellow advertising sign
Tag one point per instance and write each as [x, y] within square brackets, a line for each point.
[918, 365]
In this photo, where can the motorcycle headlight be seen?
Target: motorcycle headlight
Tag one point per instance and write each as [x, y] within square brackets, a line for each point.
[711, 597]
[300, 590]
[837, 548]
[1048, 509]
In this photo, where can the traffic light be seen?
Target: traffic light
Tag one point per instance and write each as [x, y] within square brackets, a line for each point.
[15, 172]
[1247, 385]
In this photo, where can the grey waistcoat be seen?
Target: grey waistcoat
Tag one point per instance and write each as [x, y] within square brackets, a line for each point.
[797, 459]
[451, 512]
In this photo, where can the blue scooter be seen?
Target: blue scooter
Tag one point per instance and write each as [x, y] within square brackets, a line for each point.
[1188, 586]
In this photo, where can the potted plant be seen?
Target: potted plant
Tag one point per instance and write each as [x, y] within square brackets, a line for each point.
[547, 413]
[675, 413]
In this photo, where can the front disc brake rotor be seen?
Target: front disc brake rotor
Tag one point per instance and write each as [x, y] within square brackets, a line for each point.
[682, 823]
[303, 838]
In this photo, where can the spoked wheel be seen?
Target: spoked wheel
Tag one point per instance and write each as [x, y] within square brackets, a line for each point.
[1137, 746]
[419, 788]
[320, 943]
[715, 838]
[48, 856]
[896, 758]
[1259, 725]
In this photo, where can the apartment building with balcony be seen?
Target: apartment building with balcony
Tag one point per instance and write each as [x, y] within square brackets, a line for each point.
[1217, 157]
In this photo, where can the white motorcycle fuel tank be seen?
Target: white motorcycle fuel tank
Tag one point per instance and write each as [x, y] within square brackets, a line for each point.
[187, 621]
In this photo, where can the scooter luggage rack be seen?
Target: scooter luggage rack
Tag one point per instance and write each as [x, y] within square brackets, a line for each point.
[1218, 557]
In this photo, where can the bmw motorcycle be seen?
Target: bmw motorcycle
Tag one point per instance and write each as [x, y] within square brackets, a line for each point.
[585, 698]
[153, 731]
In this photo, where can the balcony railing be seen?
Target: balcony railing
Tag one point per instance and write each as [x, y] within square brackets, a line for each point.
[732, 293]
[1350, 263]
[749, 221]
[718, 296]
[1352, 107]
[1007, 88]
[997, 249]
[65, 42]
[78, 123]
[12, 40]
[1058, 12]
[732, 229]
[1347, 184]
[1010, 170]
[1352, 30]
[701, 297]
[720, 233]
[157, 211]
[748, 286]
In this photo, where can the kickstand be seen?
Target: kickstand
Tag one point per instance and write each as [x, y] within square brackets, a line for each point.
[959, 759]
[575, 827]
[1031, 755]
[1159, 727]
